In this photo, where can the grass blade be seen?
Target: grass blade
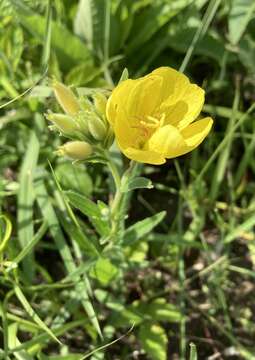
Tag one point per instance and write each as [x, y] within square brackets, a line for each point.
[26, 200]
[24, 302]
[56, 233]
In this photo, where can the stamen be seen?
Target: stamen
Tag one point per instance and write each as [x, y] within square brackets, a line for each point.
[153, 120]
[162, 119]
[148, 125]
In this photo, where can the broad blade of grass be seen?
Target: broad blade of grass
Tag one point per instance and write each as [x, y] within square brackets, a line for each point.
[26, 200]
[193, 352]
[56, 233]
[47, 42]
[223, 159]
[24, 302]
[26, 250]
[13, 342]
[41, 340]
[220, 147]
[206, 21]
[239, 230]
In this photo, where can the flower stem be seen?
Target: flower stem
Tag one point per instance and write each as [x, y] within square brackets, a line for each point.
[119, 196]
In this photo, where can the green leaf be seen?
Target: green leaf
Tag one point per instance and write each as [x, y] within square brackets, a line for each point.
[78, 235]
[49, 214]
[137, 252]
[74, 177]
[91, 210]
[136, 183]
[89, 23]
[26, 198]
[124, 75]
[26, 250]
[240, 229]
[193, 352]
[240, 14]
[104, 271]
[104, 26]
[32, 313]
[69, 48]
[140, 311]
[153, 340]
[160, 310]
[82, 74]
[142, 228]
[13, 341]
[209, 45]
[246, 53]
[151, 20]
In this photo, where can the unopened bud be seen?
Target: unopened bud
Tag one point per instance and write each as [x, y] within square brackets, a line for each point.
[66, 98]
[109, 139]
[64, 123]
[100, 102]
[76, 150]
[96, 126]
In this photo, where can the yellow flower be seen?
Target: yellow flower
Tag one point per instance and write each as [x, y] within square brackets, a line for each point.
[152, 117]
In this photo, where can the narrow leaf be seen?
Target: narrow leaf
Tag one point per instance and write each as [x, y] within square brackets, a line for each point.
[32, 313]
[142, 228]
[136, 183]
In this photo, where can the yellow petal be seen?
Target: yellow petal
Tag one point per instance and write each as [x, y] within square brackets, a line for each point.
[126, 134]
[195, 133]
[144, 156]
[194, 97]
[181, 101]
[137, 98]
[174, 82]
[167, 141]
[118, 99]
[144, 98]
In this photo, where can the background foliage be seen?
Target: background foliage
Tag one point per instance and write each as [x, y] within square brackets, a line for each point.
[184, 272]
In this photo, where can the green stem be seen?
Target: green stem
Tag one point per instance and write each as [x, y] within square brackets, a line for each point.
[117, 197]
[116, 205]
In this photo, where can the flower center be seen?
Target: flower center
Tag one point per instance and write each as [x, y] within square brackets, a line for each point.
[147, 127]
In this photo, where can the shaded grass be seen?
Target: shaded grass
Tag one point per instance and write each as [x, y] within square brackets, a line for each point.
[200, 257]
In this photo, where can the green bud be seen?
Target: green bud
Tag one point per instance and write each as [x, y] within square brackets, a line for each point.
[109, 139]
[100, 101]
[82, 123]
[64, 123]
[96, 126]
[66, 98]
[76, 150]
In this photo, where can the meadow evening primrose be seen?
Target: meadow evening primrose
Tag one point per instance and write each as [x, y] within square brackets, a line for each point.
[153, 116]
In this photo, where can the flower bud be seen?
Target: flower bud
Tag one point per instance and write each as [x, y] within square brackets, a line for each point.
[66, 98]
[96, 126]
[76, 150]
[100, 102]
[64, 123]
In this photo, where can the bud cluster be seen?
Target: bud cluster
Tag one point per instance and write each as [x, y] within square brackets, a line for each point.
[83, 121]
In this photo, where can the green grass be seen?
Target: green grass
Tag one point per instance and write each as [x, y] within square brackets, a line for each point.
[179, 281]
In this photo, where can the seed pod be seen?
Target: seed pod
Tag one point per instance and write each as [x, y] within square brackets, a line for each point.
[76, 150]
[66, 98]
